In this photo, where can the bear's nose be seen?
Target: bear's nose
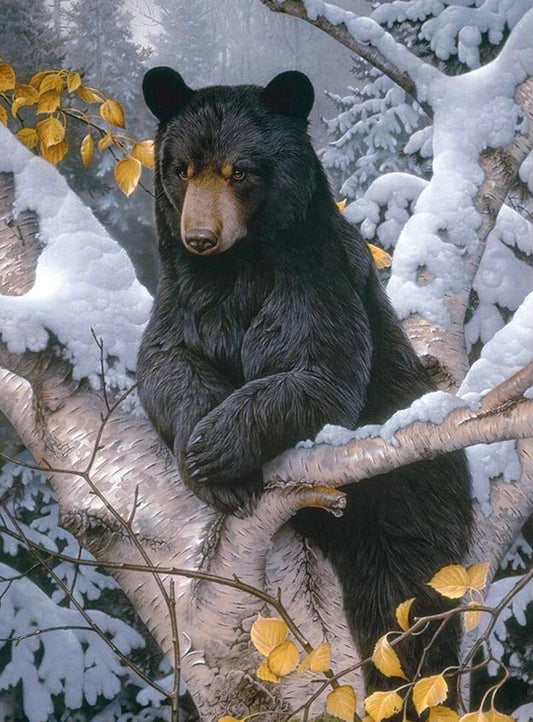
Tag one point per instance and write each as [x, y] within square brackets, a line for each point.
[200, 239]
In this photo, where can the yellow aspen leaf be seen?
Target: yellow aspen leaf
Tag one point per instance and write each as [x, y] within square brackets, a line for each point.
[267, 633]
[265, 673]
[283, 659]
[88, 95]
[111, 111]
[52, 81]
[3, 115]
[48, 102]
[105, 141]
[340, 703]
[73, 81]
[382, 705]
[477, 575]
[30, 95]
[381, 258]
[478, 716]
[494, 716]
[429, 692]
[87, 150]
[17, 105]
[50, 132]
[367, 718]
[38, 78]
[471, 619]
[450, 581]
[386, 659]
[127, 174]
[341, 205]
[7, 77]
[319, 660]
[229, 719]
[54, 153]
[402, 613]
[144, 151]
[28, 136]
[442, 714]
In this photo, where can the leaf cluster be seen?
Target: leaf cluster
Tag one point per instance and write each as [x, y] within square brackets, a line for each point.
[61, 97]
[428, 694]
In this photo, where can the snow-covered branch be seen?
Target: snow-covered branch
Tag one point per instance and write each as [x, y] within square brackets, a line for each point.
[366, 38]
[424, 431]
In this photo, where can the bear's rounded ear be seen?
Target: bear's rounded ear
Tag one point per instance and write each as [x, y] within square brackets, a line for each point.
[165, 92]
[290, 93]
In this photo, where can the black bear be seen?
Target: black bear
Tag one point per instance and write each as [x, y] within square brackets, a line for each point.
[269, 322]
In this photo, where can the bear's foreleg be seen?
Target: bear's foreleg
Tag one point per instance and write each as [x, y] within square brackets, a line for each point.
[260, 420]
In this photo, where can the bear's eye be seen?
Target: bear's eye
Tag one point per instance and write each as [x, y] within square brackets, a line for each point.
[182, 172]
[238, 174]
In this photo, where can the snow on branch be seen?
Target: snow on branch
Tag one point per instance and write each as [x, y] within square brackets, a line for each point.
[83, 280]
[364, 36]
[421, 432]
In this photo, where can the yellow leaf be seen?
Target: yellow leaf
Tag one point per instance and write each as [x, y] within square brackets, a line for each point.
[341, 205]
[89, 95]
[442, 714]
[7, 77]
[37, 79]
[48, 102]
[450, 581]
[73, 81]
[478, 716]
[429, 692]
[30, 95]
[87, 150]
[267, 633]
[112, 112]
[144, 151]
[283, 659]
[3, 115]
[319, 660]
[386, 659]
[229, 719]
[54, 153]
[471, 619]
[50, 132]
[105, 141]
[265, 673]
[381, 257]
[341, 703]
[494, 716]
[477, 575]
[52, 81]
[17, 105]
[381, 705]
[28, 136]
[402, 613]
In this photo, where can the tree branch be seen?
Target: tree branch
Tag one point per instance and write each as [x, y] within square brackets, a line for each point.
[364, 37]
[504, 414]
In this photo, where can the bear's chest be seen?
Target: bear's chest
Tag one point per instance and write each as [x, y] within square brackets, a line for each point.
[217, 315]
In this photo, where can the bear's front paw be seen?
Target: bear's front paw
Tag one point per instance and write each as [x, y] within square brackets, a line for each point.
[215, 457]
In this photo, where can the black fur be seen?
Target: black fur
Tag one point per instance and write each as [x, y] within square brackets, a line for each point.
[252, 350]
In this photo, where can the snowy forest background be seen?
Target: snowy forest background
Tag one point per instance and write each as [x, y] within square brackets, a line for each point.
[372, 127]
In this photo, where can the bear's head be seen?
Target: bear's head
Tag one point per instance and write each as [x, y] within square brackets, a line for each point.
[231, 161]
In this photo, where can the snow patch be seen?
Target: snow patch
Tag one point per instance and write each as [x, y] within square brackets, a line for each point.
[83, 278]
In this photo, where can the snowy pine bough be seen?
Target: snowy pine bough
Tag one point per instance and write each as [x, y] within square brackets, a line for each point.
[461, 281]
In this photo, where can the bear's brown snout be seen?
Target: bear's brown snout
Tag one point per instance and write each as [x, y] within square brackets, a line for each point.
[200, 240]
